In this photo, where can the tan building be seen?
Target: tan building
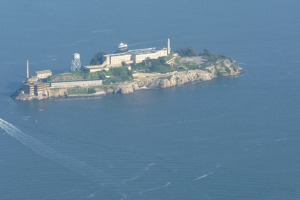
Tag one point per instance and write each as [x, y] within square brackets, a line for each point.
[41, 88]
[34, 87]
[43, 74]
[151, 53]
[95, 68]
[116, 60]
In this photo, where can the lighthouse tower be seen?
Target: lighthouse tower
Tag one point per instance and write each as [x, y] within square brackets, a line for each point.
[27, 69]
[169, 47]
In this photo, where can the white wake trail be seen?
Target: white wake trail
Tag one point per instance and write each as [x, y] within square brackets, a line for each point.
[203, 176]
[75, 165]
[156, 188]
[139, 175]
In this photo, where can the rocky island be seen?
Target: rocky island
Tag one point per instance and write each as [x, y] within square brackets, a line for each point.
[127, 71]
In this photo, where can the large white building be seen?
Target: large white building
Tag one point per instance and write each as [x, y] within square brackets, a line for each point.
[129, 57]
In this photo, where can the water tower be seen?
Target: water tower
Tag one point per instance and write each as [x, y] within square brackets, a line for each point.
[76, 64]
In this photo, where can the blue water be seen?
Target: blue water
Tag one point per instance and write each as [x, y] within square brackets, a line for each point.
[231, 138]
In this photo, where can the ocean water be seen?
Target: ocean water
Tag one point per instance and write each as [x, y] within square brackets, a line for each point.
[230, 138]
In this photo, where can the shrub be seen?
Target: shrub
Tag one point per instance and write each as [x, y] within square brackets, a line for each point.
[91, 91]
[98, 59]
[187, 52]
[121, 72]
[211, 57]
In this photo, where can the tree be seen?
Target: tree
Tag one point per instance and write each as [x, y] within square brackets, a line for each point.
[209, 55]
[121, 72]
[98, 59]
[187, 52]
[101, 75]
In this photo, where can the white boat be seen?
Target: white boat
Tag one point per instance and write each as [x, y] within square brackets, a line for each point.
[122, 46]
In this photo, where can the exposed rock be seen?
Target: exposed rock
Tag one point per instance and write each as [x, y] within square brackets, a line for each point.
[109, 91]
[135, 86]
[126, 89]
[164, 83]
[58, 92]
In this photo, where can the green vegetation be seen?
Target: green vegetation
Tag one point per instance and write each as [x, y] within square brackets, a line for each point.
[191, 65]
[153, 65]
[73, 76]
[80, 90]
[210, 57]
[114, 75]
[98, 59]
[187, 52]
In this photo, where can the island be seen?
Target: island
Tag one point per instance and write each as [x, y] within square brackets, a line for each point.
[126, 71]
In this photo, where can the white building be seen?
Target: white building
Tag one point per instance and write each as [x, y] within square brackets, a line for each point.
[116, 60]
[140, 55]
[131, 56]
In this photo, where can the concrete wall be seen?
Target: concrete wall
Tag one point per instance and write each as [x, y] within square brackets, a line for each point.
[76, 84]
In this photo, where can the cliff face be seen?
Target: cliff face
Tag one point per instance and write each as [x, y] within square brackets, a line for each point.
[222, 67]
[58, 93]
[20, 95]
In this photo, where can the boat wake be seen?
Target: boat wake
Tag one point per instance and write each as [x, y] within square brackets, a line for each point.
[139, 175]
[156, 188]
[100, 178]
[71, 163]
[203, 176]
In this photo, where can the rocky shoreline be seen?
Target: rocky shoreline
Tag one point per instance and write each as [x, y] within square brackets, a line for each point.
[220, 68]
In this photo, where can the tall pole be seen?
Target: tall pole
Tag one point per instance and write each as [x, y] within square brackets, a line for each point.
[169, 46]
[27, 69]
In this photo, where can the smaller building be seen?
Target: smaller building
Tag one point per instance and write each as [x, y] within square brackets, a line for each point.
[95, 68]
[41, 88]
[28, 88]
[43, 74]
[34, 87]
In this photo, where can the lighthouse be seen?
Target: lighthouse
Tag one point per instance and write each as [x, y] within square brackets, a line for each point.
[27, 69]
[169, 47]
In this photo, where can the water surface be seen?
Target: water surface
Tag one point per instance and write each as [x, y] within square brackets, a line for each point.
[231, 138]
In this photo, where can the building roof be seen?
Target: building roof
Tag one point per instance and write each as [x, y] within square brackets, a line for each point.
[143, 51]
[44, 72]
[94, 66]
[33, 79]
[136, 52]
